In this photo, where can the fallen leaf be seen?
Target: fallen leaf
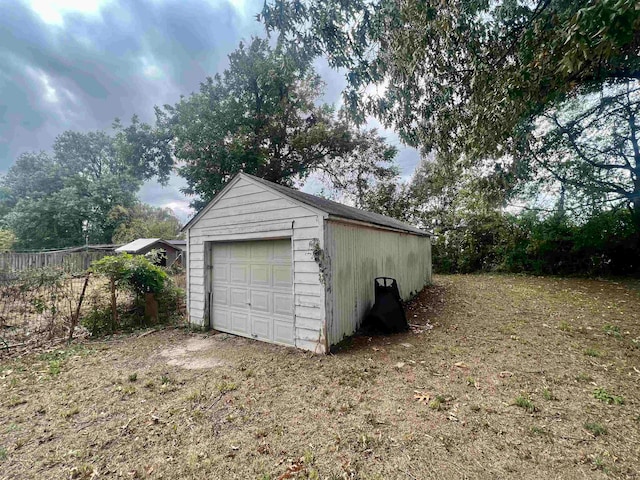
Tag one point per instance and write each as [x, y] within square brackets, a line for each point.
[506, 374]
[399, 365]
[421, 397]
[460, 365]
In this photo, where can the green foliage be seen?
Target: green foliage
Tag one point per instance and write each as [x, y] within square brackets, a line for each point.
[606, 397]
[595, 429]
[525, 403]
[132, 271]
[98, 321]
[612, 331]
[263, 116]
[144, 221]
[7, 240]
[463, 76]
[605, 244]
[66, 199]
[136, 274]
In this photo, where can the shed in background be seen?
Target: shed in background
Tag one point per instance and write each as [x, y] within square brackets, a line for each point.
[279, 265]
[142, 246]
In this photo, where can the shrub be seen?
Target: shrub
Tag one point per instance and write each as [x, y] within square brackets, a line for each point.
[595, 429]
[98, 321]
[138, 275]
[606, 397]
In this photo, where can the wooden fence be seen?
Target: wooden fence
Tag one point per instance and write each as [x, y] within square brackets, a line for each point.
[71, 261]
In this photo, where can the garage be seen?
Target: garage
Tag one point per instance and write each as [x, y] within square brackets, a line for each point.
[252, 289]
[282, 266]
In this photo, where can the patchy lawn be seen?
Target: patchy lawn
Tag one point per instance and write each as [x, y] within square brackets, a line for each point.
[520, 377]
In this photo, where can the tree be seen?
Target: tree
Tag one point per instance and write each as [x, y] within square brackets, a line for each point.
[590, 146]
[262, 116]
[7, 240]
[32, 176]
[64, 200]
[464, 76]
[144, 221]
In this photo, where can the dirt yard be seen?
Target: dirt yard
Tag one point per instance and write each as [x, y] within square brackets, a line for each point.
[519, 377]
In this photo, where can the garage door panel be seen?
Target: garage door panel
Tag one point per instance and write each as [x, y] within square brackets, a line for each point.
[260, 251]
[261, 327]
[220, 295]
[282, 252]
[223, 321]
[260, 301]
[221, 272]
[252, 289]
[221, 252]
[260, 275]
[238, 273]
[239, 297]
[283, 332]
[282, 276]
[239, 250]
[240, 323]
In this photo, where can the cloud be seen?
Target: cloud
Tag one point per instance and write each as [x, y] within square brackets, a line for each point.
[79, 64]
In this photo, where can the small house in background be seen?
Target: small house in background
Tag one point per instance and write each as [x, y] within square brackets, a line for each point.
[282, 266]
[173, 249]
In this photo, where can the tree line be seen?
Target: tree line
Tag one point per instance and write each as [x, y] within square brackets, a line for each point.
[525, 113]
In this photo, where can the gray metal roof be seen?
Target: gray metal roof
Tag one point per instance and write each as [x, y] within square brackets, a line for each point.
[339, 210]
[140, 244]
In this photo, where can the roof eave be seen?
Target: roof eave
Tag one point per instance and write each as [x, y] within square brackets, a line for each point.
[416, 232]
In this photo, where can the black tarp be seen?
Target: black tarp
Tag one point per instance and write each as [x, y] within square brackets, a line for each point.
[387, 314]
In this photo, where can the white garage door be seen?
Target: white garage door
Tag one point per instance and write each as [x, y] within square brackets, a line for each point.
[252, 292]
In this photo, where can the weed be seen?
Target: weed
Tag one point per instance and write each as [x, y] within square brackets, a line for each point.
[129, 390]
[595, 429]
[612, 331]
[3, 454]
[598, 463]
[592, 352]
[83, 472]
[195, 396]
[606, 397]
[565, 327]
[584, 378]
[437, 403]
[54, 368]
[525, 402]
[133, 377]
[548, 395]
[471, 382]
[71, 412]
[308, 457]
[164, 379]
[224, 387]
[63, 354]
[538, 431]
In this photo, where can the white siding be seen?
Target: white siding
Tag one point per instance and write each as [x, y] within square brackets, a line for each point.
[248, 210]
[356, 255]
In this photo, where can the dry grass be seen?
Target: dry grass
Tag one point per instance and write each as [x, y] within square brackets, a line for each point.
[437, 404]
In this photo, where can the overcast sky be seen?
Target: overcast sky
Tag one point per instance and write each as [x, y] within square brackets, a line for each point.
[79, 64]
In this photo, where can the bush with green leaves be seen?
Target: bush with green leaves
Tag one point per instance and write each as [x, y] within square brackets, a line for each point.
[134, 272]
[138, 275]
